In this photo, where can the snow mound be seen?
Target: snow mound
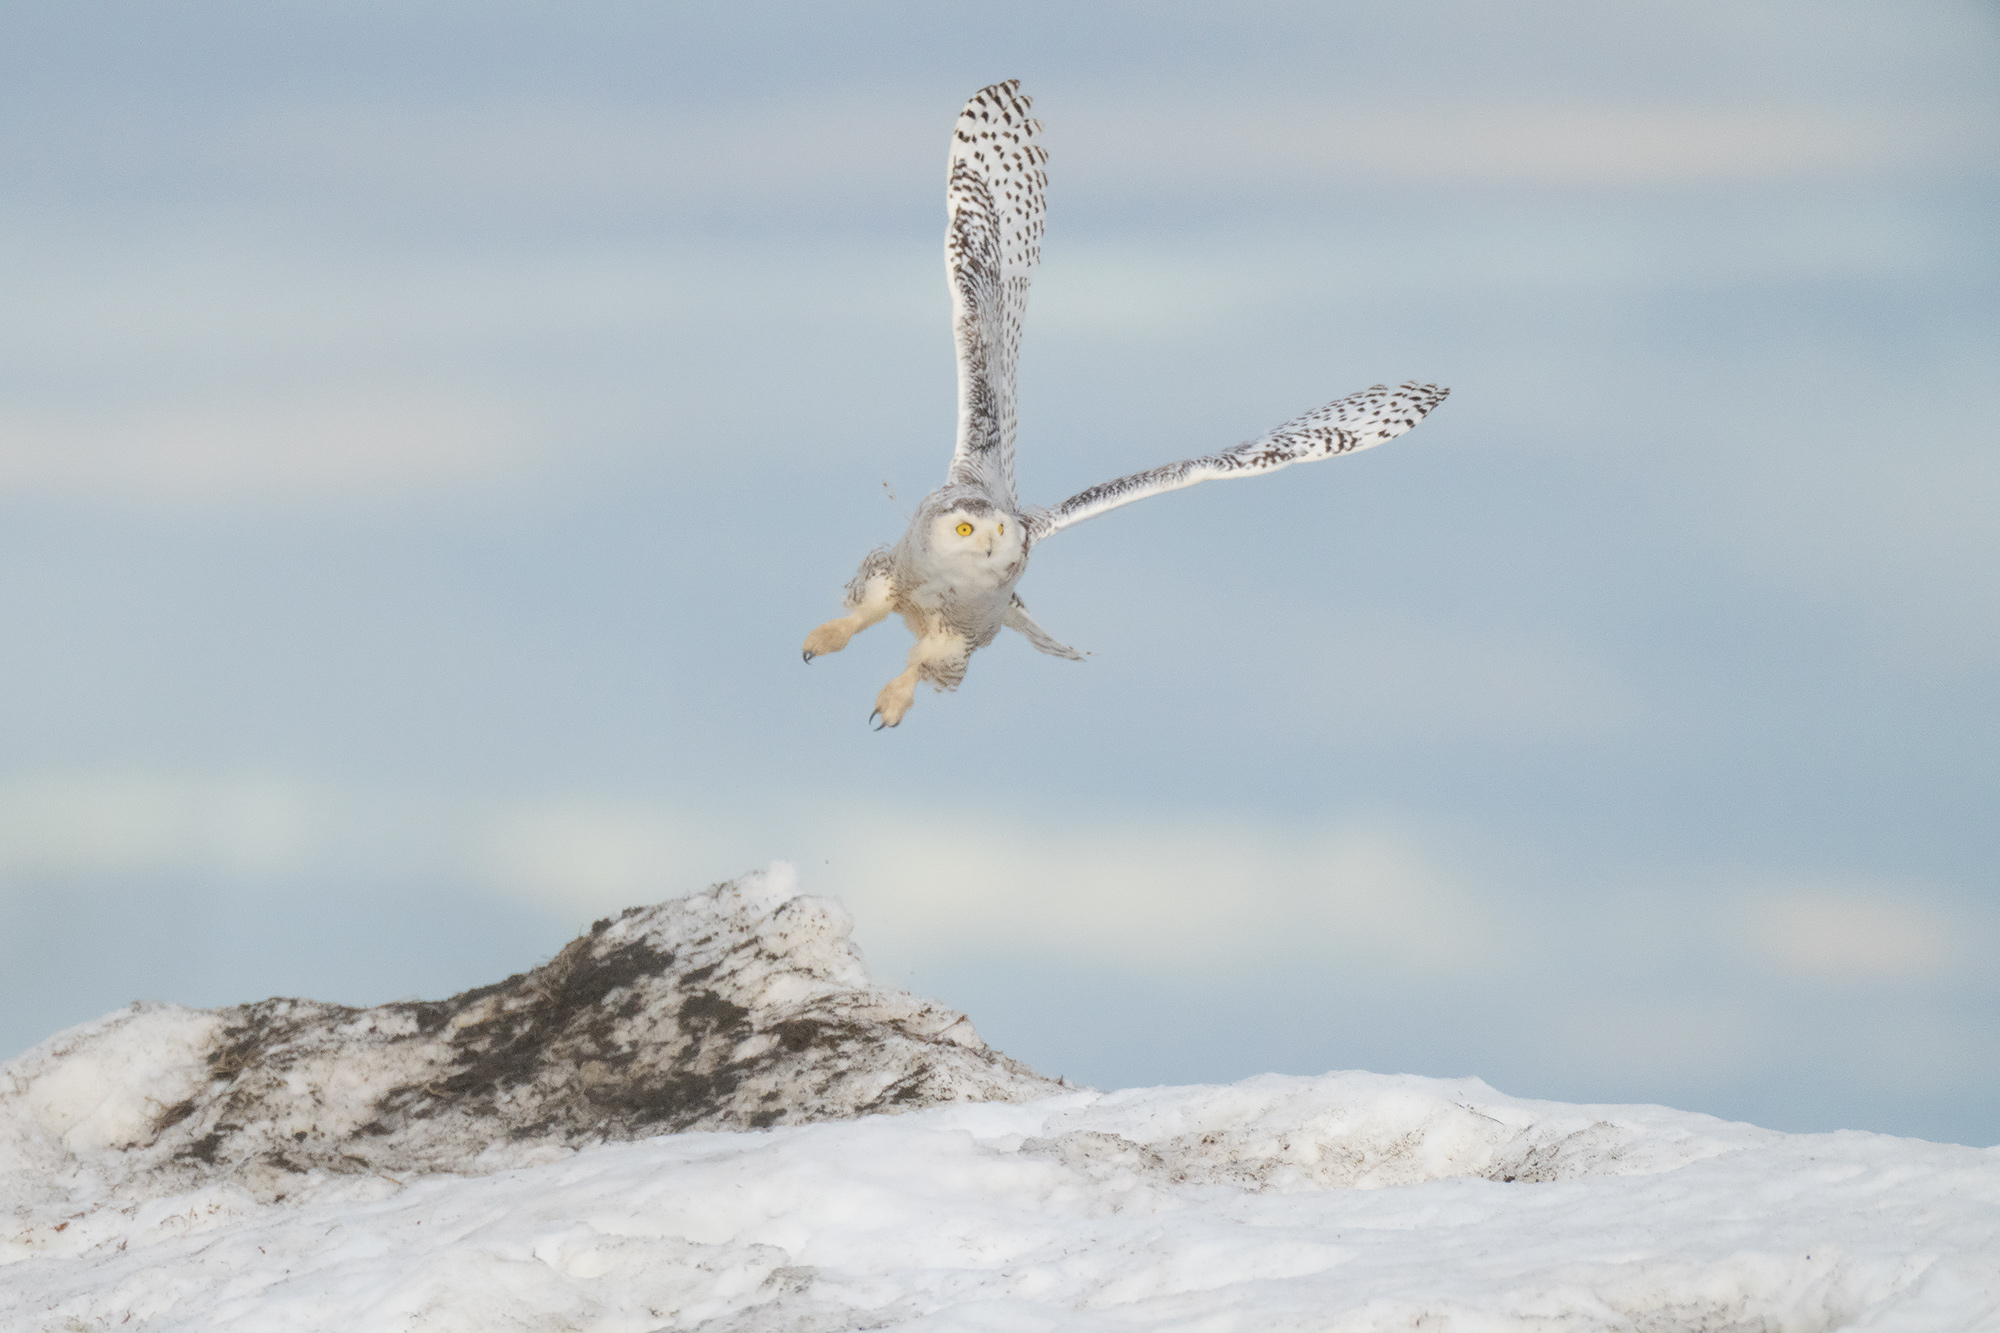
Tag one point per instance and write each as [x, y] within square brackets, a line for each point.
[1279, 1205]
[741, 1007]
[1365, 1131]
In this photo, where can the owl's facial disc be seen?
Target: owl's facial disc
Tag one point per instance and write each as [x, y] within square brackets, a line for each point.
[988, 536]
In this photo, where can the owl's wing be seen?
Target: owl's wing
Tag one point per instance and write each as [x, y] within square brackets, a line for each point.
[1017, 618]
[1347, 425]
[992, 243]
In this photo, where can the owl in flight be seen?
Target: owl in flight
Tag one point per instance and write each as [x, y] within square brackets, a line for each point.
[952, 575]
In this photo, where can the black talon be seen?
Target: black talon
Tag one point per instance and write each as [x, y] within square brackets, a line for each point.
[879, 726]
[808, 657]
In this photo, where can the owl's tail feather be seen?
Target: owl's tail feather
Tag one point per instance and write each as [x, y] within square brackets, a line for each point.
[1017, 618]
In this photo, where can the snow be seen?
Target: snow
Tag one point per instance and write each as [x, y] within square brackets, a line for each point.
[995, 1200]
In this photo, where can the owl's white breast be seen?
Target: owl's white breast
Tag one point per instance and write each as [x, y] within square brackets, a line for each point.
[962, 590]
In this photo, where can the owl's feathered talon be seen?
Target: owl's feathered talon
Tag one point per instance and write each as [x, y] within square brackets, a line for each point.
[833, 635]
[880, 725]
[893, 703]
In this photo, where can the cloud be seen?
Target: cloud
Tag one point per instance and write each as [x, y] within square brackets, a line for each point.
[232, 368]
[241, 827]
[843, 149]
[1286, 145]
[1362, 892]
[113, 824]
[1853, 932]
[225, 450]
[837, 149]
[1370, 675]
[1382, 675]
[1652, 1041]
[594, 853]
[1152, 896]
[1143, 894]
[1862, 522]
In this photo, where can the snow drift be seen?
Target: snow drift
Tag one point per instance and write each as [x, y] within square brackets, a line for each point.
[459, 1167]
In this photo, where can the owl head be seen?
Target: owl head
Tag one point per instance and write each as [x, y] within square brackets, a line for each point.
[976, 536]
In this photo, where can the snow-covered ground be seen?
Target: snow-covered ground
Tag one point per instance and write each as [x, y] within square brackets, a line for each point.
[140, 1195]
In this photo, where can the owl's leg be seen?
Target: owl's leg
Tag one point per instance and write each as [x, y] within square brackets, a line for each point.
[896, 698]
[941, 657]
[868, 609]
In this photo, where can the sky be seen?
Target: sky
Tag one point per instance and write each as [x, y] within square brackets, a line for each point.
[427, 432]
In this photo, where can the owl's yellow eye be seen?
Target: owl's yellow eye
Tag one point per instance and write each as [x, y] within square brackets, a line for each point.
[965, 529]
[1003, 529]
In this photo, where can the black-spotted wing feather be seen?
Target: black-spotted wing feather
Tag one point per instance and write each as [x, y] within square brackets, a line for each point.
[1347, 425]
[995, 200]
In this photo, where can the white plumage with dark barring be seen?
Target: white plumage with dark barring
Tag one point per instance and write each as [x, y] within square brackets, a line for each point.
[952, 575]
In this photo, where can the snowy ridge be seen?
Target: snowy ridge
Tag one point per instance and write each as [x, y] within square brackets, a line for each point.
[1211, 1208]
[527, 1197]
[740, 1007]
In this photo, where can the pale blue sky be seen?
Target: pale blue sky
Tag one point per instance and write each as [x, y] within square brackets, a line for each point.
[427, 431]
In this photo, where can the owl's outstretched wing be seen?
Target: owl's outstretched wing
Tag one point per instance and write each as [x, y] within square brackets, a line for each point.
[1347, 425]
[992, 243]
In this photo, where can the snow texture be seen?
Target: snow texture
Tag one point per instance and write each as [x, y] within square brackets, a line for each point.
[1345, 1202]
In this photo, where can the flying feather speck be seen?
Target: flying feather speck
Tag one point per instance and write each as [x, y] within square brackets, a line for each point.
[953, 574]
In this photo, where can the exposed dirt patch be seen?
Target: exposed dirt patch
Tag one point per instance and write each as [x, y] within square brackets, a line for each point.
[739, 1008]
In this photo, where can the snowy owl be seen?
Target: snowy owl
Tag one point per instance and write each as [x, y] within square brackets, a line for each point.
[952, 575]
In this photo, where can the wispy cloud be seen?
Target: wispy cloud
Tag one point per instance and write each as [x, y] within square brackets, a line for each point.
[1146, 895]
[1656, 1039]
[1376, 675]
[1390, 677]
[226, 451]
[1286, 145]
[1364, 891]
[1854, 931]
[844, 147]
[250, 827]
[1367, 900]
[1158, 897]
